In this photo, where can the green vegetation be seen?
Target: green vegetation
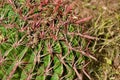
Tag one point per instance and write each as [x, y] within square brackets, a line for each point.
[59, 40]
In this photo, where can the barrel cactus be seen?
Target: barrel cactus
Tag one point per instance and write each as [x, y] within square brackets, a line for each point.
[44, 40]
